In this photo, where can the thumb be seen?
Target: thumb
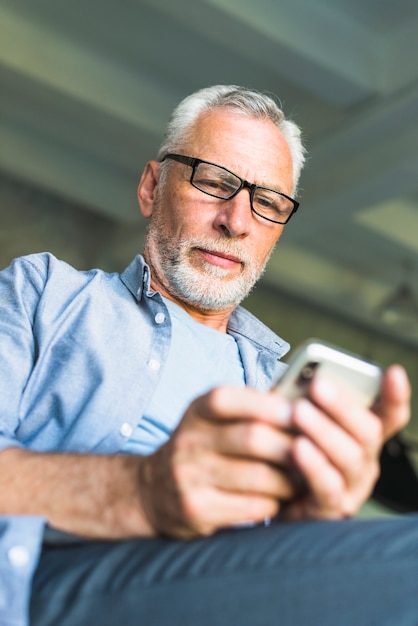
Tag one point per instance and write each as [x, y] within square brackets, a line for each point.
[394, 403]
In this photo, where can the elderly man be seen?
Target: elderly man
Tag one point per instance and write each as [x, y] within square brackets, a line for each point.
[136, 413]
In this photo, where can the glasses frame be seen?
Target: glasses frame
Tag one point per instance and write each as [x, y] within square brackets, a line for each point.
[194, 162]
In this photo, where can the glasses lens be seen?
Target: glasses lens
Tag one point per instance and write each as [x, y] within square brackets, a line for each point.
[215, 181]
[272, 205]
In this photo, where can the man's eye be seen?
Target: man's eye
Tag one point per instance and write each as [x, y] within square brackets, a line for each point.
[266, 203]
[215, 185]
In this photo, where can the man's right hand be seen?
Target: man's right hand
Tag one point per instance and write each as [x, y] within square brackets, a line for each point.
[223, 465]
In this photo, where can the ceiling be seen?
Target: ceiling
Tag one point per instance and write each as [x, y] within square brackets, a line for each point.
[87, 88]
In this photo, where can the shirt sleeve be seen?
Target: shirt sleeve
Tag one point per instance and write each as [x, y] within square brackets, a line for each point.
[20, 545]
[21, 285]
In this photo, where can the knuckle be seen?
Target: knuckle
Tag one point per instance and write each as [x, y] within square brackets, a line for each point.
[182, 473]
[190, 508]
[193, 509]
[186, 439]
[216, 399]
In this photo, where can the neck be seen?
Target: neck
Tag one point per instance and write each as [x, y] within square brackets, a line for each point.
[218, 320]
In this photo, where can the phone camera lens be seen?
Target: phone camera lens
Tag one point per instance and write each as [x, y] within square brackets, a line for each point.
[308, 371]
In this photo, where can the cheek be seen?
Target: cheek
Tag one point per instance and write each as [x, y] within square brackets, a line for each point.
[266, 243]
[167, 212]
[184, 216]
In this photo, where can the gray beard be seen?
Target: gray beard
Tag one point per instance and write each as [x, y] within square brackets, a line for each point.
[206, 287]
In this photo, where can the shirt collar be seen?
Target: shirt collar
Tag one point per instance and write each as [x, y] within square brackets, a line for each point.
[137, 277]
[243, 323]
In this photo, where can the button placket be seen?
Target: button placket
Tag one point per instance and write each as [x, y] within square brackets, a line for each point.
[159, 318]
[154, 365]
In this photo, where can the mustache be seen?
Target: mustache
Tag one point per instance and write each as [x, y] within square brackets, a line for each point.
[221, 246]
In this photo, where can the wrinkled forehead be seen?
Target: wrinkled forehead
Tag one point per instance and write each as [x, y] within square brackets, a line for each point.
[253, 148]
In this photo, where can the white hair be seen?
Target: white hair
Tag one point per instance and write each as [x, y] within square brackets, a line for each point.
[241, 99]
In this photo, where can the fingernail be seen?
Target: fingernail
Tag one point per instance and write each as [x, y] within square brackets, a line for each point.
[400, 374]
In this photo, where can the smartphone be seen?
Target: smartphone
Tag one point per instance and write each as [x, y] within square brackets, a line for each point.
[316, 358]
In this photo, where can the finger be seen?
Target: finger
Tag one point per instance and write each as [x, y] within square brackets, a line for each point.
[249, 509]
[202, 501]
[347, 454]
[241, 476]
[232, 403]
[358, 421]
[217, 509]
[253, 440]
[394, 403]
[325, 485]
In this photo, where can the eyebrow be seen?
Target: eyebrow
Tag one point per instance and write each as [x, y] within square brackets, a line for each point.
[263, 186]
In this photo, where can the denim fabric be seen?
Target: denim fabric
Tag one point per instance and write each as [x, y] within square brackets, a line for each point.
[342, 573]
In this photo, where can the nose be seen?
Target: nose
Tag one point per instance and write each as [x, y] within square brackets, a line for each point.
[234, 216]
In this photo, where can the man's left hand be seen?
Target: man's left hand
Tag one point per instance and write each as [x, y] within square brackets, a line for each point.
[339, 443]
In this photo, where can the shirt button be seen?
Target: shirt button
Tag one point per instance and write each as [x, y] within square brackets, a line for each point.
[126, 429]
[154, 365]
[19, 556]
[159, 318]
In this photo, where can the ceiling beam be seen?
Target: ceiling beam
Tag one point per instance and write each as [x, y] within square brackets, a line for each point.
[92, 184]
[376, 142]
[316, 48]
[69, 67]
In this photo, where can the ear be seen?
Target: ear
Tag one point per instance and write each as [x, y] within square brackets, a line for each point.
[147, 188]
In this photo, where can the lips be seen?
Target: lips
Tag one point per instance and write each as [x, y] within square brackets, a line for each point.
[222, 259]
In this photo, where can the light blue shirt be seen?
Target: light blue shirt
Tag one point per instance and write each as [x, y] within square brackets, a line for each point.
[81, 354]
[199, 359]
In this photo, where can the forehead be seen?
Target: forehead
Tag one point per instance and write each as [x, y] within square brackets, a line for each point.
[253, 148]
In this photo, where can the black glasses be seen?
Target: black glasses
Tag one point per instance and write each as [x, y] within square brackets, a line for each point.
[219, 182]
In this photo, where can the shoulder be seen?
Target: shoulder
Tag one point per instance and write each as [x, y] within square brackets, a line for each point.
[40, 265]
[33, 278]
[43, 267]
